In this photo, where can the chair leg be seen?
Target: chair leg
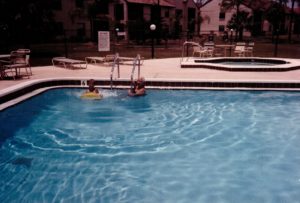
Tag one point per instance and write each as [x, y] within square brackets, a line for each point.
[30, 70]
[27, 72]
[2, 74]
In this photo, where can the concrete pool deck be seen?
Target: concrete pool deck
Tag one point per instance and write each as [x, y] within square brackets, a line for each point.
[157, 69]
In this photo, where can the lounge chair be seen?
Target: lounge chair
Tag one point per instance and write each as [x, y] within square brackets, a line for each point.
[129, 60]
[108, 59]
[94, 59]
[68, 63]
[99, 60]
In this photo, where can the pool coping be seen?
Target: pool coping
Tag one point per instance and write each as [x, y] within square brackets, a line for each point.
[22, 91]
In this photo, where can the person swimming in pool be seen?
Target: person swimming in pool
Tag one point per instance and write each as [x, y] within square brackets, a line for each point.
[138, 87]
[92, 92]
[92, 88]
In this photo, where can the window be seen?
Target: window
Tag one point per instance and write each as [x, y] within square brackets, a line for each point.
[119, 12]
[221, 28]
[191, 13]
[167, 14]
[81, 31]
[102, 7]
[191, 19]
[178, 13]
[135, 12]
[56, 4]
[59, 28]
[79, 3]
[222, 16]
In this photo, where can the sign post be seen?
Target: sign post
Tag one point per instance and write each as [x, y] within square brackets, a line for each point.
[103, 41]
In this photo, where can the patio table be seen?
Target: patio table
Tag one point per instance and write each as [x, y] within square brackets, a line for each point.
[225, 47]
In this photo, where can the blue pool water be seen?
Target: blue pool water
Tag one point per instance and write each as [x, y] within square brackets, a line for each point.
[169, 146]
[240, 63]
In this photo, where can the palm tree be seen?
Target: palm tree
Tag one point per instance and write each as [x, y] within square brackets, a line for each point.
[292, 18]
[200, 4]
[275, 14]
[27, 20]
[230, 4]
[239, 23]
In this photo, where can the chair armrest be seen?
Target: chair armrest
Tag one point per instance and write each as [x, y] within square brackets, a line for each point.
[5, 61]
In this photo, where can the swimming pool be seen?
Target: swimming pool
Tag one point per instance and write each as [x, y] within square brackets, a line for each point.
[169, 146]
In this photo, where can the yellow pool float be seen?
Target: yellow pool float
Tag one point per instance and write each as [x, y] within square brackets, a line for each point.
[91, 95]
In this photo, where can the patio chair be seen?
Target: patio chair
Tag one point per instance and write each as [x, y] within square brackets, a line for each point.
[27, 52]
[13, 67]
[239, 49]
[6, 72]
[249, 49]
[210, 47]
[199, 50]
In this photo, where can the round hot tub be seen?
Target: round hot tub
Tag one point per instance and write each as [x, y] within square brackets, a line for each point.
[242, 64]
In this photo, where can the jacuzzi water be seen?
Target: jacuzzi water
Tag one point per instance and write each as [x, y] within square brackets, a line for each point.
[168, 146]
[254, 63]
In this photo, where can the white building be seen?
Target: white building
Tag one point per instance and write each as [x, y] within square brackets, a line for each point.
[84, 18]
[215, 18]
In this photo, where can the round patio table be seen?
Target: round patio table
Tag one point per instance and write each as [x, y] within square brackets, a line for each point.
[225, 47]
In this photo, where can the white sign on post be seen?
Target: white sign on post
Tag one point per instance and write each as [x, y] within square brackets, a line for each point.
[103, 41]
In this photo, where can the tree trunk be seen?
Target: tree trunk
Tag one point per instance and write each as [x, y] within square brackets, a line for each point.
[237, 32]
[291, 21]
[198, 22]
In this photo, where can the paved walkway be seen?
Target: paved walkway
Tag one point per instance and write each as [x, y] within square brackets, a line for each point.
[157, 69]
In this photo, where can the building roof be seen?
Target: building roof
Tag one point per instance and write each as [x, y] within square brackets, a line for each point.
[258, 4]
[167, 3]
[297, 10]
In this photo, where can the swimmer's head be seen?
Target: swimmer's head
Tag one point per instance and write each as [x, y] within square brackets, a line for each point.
[141, 79]
[91, 82]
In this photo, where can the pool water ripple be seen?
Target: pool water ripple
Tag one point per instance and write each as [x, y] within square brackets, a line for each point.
[169, 146]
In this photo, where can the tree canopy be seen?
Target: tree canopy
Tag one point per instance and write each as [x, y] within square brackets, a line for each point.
[25, 20]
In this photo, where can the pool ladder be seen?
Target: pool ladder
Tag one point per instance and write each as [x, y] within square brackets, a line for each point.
[116, 63]
[136, 62]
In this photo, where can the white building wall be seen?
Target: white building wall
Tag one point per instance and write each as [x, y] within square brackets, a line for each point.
[181, 5]
[211, 21]
[210, 14]
[73, 18]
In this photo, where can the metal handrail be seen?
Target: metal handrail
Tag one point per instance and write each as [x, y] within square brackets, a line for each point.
[136, 62]
[115, 62]
[186, 45]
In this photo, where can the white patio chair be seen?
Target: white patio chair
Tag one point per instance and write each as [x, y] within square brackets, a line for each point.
[27, 59]
[249, 49]
[239, 49]
[199, 50]
[17, 62]
[210, 47]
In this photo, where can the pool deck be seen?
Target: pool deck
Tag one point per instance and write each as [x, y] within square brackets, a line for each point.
[156, 69]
